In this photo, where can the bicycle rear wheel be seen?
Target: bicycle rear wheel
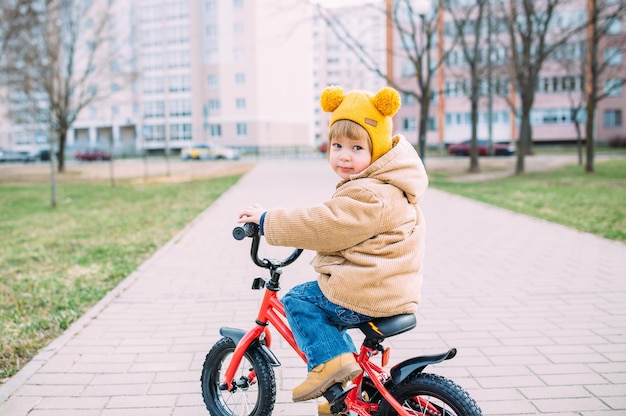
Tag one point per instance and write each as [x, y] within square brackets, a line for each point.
[255, 391]
[431, 395]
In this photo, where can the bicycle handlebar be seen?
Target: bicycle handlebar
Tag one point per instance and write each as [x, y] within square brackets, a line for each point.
[251, 229]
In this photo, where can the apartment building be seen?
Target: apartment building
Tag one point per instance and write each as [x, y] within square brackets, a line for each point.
[248, 73]
[558, 92]
[231, 72]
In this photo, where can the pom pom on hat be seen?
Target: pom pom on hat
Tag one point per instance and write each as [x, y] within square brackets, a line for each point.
[330, 98]
[387, 101]
[372, 112]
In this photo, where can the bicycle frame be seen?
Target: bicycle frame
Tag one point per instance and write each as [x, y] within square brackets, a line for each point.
[272, 312]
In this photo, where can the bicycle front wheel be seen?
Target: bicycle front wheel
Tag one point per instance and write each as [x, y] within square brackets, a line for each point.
[431, 395]
[255, 391]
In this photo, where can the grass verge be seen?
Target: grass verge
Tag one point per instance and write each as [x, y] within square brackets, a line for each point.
[588, 202]
[57, 263]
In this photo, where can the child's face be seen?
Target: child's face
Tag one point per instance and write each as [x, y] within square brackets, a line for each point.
[349, 156]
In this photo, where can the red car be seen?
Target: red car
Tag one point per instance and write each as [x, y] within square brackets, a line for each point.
[91, 154]
[463, 148]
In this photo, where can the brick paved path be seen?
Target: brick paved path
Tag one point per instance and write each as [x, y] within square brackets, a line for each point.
[537, 311]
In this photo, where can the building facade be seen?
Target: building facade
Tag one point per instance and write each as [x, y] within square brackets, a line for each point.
[231, 72]
[248, 73]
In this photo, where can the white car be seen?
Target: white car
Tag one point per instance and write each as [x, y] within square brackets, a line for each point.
[204, 151]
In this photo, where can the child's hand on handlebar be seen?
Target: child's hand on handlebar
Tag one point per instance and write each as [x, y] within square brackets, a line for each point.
[251, 214]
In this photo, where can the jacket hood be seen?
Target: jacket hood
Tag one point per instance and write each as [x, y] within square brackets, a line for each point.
[400, 167]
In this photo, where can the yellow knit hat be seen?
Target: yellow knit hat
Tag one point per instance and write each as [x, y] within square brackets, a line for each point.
[372, 112]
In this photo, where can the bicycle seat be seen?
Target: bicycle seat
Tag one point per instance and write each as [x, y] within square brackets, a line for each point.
[389, 326]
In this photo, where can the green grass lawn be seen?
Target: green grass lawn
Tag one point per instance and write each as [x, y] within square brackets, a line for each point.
[595, 203]
[56, 263]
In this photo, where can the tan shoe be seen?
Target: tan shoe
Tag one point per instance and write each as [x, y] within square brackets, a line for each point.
[338, 370]
[323, 409]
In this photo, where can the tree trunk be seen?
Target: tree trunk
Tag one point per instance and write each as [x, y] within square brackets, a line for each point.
[53, 181]
[61, 154]
[589, 145]
[474, 168]
[421, 136]
[579, 140]
[524, 140]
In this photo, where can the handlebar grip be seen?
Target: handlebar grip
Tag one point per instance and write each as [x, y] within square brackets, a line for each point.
[249, 229]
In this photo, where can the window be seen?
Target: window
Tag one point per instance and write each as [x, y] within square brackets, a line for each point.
[551, 116]
[238, 28]
[408, 124]
[612, 118]
[153, 85]
[178, 59]
[215, 130]
[214, 106]
[180, 108]
[154, 133]
[210, 5]
[153, 109]
[180, 131]
[614, 26]
[154, 61]
[178, 35]
[408, 70]
[211, 31]
[180, 83]
[613, 56]
[408, 99]
[237, 4]
[241, 129]
[241, 103]
[151, 38]
[240, 78]
[150, 13]
[213, 81]
[178, 10]
[613, 87]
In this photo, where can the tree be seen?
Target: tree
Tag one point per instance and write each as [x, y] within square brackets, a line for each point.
[470, 22]
[532, 38]
[60, 63]
[417, 30]
[601, 18]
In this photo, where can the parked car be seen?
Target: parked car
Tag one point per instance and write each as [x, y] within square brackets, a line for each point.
[91, 154]
[204, 151]
[13, 156]
[323, 147]
[463, 148]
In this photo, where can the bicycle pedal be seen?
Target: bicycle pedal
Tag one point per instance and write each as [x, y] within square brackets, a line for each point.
[335, 395]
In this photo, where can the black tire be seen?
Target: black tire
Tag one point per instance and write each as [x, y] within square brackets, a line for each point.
[446, 397]
[253, 399]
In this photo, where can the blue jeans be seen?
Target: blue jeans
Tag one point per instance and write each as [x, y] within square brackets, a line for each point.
[318, 325]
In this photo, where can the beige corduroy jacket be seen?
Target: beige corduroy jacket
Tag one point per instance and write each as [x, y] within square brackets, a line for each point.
[369, 236]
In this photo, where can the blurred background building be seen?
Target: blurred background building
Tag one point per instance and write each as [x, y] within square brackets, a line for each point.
[247, 74]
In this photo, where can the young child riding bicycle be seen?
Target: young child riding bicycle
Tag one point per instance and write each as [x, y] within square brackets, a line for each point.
[369, 237]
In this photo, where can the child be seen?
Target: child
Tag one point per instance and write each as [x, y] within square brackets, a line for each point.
[369, 236]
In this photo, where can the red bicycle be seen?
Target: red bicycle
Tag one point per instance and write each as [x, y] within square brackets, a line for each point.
[238, 376]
